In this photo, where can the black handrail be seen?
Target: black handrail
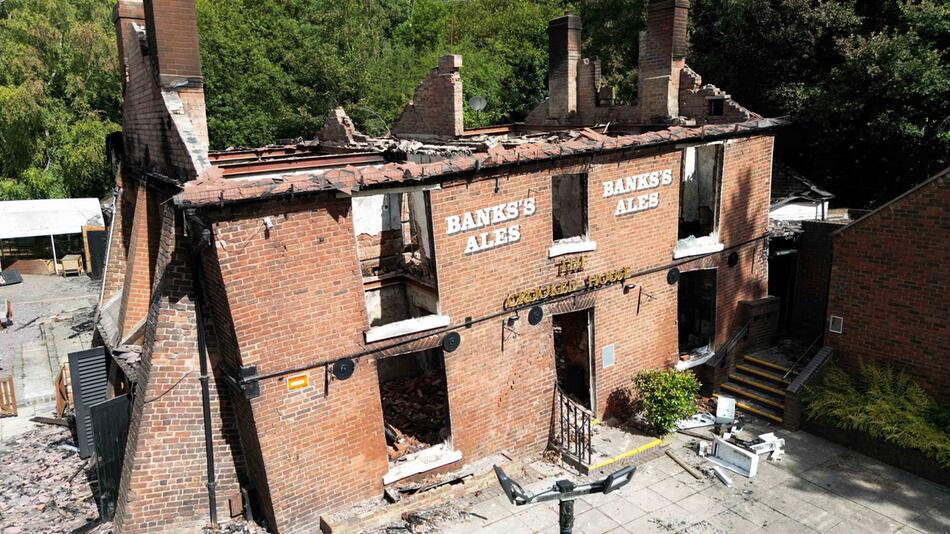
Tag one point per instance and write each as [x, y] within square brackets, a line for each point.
[730, 344]
[802, 356]
[574, 436]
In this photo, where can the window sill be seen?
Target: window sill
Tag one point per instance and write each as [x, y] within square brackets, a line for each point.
[697, 358]
[561, 248]
[407, 326]
[422, 461]
[694, 246]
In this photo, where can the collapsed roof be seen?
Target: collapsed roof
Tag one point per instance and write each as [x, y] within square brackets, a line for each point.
[429, 141]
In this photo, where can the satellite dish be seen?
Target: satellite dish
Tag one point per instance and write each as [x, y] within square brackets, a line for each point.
[477, 103]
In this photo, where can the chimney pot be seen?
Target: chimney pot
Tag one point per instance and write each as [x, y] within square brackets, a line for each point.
[450, 63]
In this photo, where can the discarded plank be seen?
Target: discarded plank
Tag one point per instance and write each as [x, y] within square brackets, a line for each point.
[686, 467]
[59, 421]
[695, 435]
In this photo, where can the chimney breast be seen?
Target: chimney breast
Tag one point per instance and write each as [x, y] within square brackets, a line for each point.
[564, 51]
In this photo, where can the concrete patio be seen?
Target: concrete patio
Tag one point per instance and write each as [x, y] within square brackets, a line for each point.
[817, 487]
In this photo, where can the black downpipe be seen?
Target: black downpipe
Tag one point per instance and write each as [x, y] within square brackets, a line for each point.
[205, 393]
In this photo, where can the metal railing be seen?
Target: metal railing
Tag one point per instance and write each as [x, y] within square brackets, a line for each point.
[803, 355]
[574, 428]
[730, 344]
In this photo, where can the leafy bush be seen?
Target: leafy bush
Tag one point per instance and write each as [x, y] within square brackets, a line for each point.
[883, 404]
[666, 397]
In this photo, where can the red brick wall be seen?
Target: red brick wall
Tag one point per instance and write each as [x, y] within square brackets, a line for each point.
[889, 282]
[294, 295]
[163, 478]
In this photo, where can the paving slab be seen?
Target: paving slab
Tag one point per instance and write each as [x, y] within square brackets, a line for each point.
[819, 487]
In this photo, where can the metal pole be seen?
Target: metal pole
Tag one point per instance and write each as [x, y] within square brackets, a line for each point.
[55, 261]
[565, 507]
[205, 395]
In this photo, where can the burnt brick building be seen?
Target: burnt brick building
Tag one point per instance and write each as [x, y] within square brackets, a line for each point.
[505, 272]
[888, 294]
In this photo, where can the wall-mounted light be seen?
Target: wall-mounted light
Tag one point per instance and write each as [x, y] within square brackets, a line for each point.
[535, 315]
[451, 341]
[673, 276]
[733, 259]
[343, 369]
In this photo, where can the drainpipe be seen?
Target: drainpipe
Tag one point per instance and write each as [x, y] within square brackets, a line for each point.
[205, 392]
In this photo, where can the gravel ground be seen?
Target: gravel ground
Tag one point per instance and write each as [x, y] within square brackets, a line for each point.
[38, 297]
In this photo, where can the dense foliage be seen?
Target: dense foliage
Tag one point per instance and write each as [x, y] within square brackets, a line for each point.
[59, 97]
[666, 396]
[884, 404]
[867, 83]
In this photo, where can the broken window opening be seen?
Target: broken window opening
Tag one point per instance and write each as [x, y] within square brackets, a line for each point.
[716, 106]
[569, 207]
[697, 310]
[573, 355]
[397, 260]
[415, 401]
[698, 231]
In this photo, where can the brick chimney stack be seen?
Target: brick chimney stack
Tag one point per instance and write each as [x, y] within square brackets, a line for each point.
[662, 56]
[564, 51]
[437, 106]
[173, 41]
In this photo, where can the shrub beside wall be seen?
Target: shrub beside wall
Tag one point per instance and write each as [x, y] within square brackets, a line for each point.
[883, 404]
[666, 396]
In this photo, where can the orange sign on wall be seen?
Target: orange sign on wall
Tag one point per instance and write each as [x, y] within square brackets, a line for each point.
[298, 382]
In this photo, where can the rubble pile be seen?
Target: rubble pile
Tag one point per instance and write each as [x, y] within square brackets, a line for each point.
[416, 412]
[45, 486]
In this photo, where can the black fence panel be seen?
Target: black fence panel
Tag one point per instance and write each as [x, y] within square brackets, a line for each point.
[110, 428]
[87, 373]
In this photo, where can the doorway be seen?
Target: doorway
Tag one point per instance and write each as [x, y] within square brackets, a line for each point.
[697, 310]
[573, 348]
[414, 394]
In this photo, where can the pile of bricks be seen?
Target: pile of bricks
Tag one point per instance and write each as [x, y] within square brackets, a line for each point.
[416, 411]
[45, 486]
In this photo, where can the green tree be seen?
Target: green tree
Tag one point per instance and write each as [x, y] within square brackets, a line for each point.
[867, 84]
[59, 97]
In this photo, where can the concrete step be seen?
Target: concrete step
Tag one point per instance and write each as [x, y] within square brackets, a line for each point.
[769, 366]
[757, 396]
[755, 408]
[759, 373]
[747, 381]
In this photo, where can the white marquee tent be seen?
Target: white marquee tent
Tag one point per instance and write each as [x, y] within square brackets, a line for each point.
[31, 218]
